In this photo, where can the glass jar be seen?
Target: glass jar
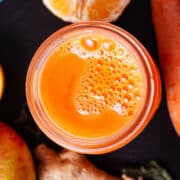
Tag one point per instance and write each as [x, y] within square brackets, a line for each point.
[103, 144]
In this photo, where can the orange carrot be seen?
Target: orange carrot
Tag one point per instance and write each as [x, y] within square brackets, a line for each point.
[166, 19]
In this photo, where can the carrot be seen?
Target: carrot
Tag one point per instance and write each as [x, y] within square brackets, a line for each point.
[166, 19]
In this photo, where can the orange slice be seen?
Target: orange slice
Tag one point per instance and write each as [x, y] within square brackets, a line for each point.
[104, 10]
[1, 81]
[64, 9]
[86, 10]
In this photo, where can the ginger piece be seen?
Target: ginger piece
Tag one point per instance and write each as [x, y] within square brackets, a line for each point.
[67, 165]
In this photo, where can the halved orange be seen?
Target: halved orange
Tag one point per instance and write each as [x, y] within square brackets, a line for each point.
[1, 81]
[86, 10]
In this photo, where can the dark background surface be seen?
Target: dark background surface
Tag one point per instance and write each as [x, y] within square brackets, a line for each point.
[23, 27]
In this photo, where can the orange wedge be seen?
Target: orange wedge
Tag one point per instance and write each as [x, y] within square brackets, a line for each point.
[1, 81]
[86, 10]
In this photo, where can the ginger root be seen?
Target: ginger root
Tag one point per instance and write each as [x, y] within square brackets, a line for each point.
[67, 165]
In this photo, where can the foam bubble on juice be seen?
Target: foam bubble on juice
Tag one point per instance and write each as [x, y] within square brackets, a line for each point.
[111, 78]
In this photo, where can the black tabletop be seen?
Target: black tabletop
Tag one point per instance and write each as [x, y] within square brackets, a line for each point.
[23, 27]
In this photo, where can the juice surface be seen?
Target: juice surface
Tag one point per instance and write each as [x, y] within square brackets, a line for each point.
[91, 86]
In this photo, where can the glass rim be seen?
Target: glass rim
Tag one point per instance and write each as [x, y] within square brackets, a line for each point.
[100, 145]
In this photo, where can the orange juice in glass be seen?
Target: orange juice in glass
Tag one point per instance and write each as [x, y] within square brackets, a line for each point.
[92, 87]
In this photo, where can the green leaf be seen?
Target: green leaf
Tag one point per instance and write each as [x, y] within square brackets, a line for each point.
[150, 171]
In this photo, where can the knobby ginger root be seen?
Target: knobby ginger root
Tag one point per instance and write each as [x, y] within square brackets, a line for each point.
[67, 165]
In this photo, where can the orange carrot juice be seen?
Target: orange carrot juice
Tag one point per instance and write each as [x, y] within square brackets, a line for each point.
[93, 85]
